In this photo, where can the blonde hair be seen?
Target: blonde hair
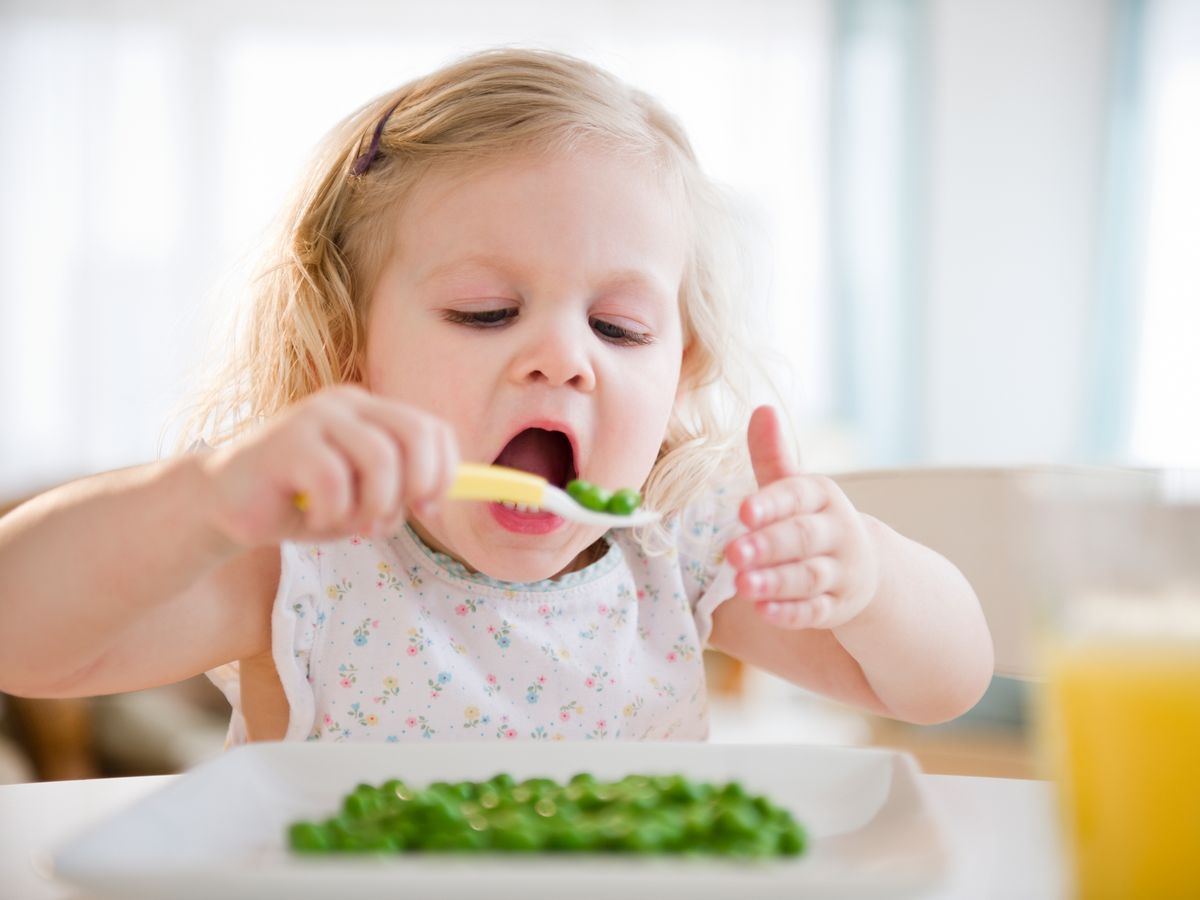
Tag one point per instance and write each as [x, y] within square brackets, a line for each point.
[306, 325]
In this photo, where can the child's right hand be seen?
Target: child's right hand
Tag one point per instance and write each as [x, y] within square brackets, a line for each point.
[360, 461]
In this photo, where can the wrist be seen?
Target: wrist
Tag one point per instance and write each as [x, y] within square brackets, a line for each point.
[874, 612]
[196, 508]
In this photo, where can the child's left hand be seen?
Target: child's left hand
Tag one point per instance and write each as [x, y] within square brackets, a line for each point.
[809, 560]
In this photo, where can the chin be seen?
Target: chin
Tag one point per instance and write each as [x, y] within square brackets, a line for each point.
[523, 559]
[520, 566]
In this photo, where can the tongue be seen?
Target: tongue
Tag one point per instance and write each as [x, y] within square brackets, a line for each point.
[545, 453]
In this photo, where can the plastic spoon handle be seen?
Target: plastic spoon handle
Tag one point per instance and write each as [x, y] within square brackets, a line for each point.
[475, 481]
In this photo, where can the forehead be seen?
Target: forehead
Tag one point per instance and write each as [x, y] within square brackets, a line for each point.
[583, 212]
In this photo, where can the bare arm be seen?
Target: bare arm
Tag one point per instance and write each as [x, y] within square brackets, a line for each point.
[120, 581]
[836, 601]
[920, 651]
[149, 575]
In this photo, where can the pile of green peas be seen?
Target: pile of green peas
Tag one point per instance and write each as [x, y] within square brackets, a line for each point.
[591, 496]
[644, 814]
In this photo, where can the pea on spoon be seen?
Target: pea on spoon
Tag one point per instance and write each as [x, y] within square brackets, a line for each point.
[475, 481]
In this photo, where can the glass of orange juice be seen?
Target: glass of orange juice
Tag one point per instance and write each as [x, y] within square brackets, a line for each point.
[1119, 710]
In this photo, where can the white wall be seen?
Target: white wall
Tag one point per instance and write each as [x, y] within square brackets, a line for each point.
[1017, 146]
[145, 146]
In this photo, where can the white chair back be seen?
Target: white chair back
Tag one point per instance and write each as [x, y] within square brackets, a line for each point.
[1016, 533]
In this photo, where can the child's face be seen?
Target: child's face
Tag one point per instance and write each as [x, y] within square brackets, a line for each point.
[540, 293]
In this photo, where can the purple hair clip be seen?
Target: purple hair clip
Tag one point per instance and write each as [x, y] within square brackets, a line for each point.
[364, 160]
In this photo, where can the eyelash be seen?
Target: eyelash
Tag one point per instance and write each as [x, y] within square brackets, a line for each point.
[494, 318]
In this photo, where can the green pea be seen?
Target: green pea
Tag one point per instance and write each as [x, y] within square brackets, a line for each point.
[489, 797]
[444, 812]
[516, 832]
[588, 495]
[362, 804]
[615, 833]
[792, 841]
[395, 789]
[734, 791]
[645, 838]
[587, 796]
[736, 822]
[682, 791]
[355, 842]
[645, 799]
[308, 837]
[502, 781]
[540, 788]
[569, 839]
[638, 814]
[623, 502]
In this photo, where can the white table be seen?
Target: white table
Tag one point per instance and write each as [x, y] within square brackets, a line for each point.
[1002, 831]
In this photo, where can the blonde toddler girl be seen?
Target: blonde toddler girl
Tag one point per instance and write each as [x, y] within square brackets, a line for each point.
[513, 260]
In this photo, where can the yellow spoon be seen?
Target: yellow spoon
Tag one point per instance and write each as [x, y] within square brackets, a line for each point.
[475, 481]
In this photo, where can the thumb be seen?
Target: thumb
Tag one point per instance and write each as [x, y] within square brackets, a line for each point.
[769, 453]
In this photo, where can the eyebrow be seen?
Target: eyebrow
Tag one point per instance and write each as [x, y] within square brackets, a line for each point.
[454, 266]
[618, 278]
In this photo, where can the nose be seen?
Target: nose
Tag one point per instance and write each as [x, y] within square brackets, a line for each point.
[555, 351]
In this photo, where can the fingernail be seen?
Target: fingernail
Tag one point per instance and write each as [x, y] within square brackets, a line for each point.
[748, 551]
[756, 510]
[773, 608]
[755, 582]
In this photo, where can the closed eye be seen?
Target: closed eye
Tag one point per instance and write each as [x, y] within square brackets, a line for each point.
[486, 318]
[618, 335]
[494, 318]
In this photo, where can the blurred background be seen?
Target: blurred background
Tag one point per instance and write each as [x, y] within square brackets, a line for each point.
[972, 228]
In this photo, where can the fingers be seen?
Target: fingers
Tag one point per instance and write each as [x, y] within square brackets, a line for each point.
[364, 461]
[794, 496]
[374, 461]
[814, 612]
[770, 454]
[783, 541]
[790, 562]
[329, 491]
[809, 578]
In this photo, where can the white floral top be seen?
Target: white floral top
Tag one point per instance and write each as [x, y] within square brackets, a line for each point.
[391, 641]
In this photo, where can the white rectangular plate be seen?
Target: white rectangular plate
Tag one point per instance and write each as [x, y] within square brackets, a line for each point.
[219, 829]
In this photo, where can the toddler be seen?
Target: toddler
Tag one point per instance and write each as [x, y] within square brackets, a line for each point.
[514, 260]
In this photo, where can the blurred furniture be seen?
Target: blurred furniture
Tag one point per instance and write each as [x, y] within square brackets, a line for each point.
[1009, 530]
[56, 735]
[15, 765]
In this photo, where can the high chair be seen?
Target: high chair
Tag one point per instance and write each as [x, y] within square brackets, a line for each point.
[1006, 529]
[992, 524]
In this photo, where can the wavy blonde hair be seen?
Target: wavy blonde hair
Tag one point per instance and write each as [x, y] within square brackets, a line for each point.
[305, 327]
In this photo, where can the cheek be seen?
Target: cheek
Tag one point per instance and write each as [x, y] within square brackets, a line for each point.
[639, 423]
[405, 367]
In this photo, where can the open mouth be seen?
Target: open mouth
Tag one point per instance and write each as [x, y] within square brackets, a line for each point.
[542, 452]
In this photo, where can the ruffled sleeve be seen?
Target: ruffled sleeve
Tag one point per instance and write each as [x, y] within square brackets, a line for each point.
[705, 528]
[295, 619]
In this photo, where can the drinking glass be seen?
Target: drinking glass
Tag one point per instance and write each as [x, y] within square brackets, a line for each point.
[1119, 709]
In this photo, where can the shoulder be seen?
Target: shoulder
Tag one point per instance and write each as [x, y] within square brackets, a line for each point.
[691, 542]
[711, 517]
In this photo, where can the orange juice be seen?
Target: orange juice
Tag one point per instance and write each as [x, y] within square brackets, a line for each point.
[1121, 720]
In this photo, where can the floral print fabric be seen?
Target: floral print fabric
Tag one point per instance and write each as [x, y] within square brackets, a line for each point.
[390, 641]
